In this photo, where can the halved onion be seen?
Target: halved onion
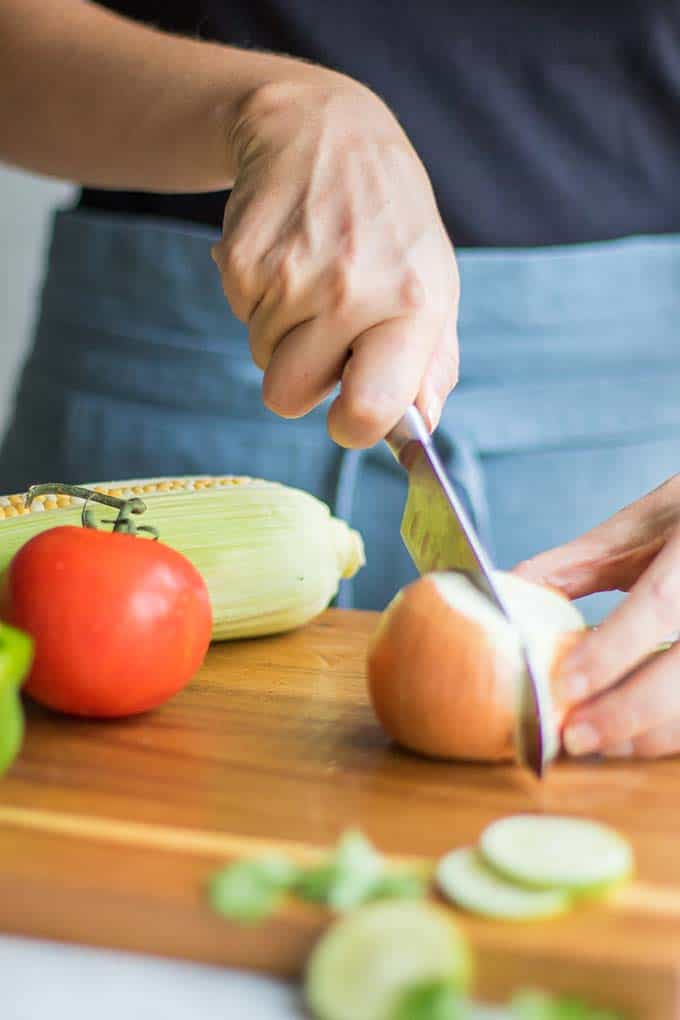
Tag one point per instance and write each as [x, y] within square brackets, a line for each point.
[445, 666]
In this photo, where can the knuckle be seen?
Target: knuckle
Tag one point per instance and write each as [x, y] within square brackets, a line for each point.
[341, 289]
[412, 291]
[349, 244]
[236, 263]
[237, 279]
[286, 277]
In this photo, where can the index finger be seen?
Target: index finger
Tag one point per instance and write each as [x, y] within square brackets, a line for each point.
[649, 615]
[613, 554]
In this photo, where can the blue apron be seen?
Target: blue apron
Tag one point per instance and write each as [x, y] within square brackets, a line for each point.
[568, 405]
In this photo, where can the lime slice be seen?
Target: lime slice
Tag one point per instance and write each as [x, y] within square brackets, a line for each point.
[368, 959]
[545, 852]
[468, 882]
[250, 890]
[433, 1000]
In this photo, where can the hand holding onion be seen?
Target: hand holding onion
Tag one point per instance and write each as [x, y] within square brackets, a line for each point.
[445, 667]
[628, 700]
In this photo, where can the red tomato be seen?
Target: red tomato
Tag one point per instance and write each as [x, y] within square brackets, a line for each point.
[120, 623]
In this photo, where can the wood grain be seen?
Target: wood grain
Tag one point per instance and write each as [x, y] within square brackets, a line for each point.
[109, 831]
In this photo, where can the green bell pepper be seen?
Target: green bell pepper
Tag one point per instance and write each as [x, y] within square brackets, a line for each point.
[16, 656]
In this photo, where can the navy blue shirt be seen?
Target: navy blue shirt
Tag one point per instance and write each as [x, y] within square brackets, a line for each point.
[539, 121]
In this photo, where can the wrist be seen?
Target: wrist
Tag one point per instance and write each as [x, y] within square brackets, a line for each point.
[291, 87]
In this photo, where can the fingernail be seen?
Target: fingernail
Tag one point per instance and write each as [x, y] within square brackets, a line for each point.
[573, 687]
[622, 750]
[432, 412]
[581, 738]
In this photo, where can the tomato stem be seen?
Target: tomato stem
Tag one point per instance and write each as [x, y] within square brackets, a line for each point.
[126, 507]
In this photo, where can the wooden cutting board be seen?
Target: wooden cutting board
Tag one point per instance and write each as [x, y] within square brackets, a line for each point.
[109, 831]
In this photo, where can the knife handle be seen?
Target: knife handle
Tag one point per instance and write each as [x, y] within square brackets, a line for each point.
[408, 429]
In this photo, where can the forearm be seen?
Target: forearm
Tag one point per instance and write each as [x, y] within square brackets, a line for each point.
[91, 97]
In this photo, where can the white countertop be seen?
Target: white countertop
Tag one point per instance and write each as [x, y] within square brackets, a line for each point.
[53, 981]
[40, 980]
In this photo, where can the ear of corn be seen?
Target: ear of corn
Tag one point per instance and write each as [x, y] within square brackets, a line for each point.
[271, 556]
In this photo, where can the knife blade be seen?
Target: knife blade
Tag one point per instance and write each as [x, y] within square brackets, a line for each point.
[439, 535]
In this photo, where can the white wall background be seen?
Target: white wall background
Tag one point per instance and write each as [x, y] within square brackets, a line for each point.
[25, 206]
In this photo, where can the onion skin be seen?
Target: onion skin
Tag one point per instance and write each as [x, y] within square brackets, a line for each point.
[441, 685]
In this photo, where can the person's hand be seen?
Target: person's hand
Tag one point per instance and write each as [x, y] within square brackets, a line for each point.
[334, 254]
[627, 703]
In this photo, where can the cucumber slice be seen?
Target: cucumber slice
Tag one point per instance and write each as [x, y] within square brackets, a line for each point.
[544, 852]
[466, 880]
[363, 965]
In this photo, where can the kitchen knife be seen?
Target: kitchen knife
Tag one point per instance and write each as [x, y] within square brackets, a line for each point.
[440, 536]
